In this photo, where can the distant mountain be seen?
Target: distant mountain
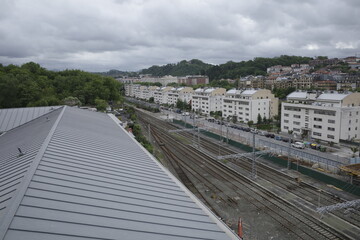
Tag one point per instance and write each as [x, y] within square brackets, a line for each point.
[258, 66]
[183, 68]
[116, 73]
[232, 70]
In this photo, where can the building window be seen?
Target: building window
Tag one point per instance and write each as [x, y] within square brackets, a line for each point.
[286, 121]
[331, 129]
[296, 129]
[297, 116]
[317, 134]
[330, 136]
[296, 123]
[286, 114]
[317, 126]
[325, 112]
[318, 119]
[286, 127]
[331, 121]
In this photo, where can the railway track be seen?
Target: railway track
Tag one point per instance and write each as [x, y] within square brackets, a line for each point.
[228, 186]
[290, 184]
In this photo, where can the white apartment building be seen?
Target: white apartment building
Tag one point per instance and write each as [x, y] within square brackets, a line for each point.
[161, 94]
[206, 100]
[247, 104]
[131, 89]
[328, 116]
[182, 93]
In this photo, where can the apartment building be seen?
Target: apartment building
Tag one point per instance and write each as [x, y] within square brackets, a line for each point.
[183, 93]
[161, 94]
[206, 100]
[247, 104]
[193, 80]
[328, 116]
[131, 89]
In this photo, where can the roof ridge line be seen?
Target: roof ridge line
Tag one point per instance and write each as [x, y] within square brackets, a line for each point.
[27, 179]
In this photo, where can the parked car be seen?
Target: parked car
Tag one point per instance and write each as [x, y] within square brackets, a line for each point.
[252, 130]
[270, 135]
[315, 146]
[298, 145]
[262, 133]
[278, 138]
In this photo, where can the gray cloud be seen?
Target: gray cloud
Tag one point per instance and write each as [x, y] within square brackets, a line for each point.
[97, 35]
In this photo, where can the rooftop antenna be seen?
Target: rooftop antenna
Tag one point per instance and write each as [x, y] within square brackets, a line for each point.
[20, 152]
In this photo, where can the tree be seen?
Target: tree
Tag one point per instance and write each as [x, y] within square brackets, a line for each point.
[354, 150]
[259, 119]
[71, 101]
[265, 120]
[101, 104]
[151, 100]
[234, 119]
[250, 123]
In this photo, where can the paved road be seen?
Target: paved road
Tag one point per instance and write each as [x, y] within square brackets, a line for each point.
[341, 155]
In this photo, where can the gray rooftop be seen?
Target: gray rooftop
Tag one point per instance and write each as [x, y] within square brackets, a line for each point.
[13, 117]
[83, 177]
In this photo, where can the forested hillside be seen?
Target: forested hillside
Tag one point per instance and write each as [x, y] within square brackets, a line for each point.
[183, 68]
[230, 69]
[31, 85]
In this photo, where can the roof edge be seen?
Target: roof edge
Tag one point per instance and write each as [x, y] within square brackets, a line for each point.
[27, 179]
[203, 207]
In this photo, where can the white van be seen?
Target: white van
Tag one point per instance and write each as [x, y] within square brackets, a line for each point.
[298, 145]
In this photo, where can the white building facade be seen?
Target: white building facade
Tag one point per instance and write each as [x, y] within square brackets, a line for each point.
[326, 116]
[246, 105]
[206, 100]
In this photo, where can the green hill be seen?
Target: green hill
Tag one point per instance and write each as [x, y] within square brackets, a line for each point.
[258, 66]
[232, 70]
[183, 68]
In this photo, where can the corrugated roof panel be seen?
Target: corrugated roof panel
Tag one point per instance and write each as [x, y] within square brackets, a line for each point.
[106, 190]
[13, 165]
[17, 120]
[297, 95]
[332, 96]
[95, 182]
[14, 117]
[249, 92]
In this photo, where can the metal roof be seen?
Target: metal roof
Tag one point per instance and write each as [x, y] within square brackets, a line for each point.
[15, 164]
[13, 117]
[332, 96]
[232, 91]
[295, 94]
[249, 92]
[90, 180]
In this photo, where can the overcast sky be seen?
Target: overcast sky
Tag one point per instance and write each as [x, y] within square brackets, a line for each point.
[98, 35]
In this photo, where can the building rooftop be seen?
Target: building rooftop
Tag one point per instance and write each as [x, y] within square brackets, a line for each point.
[13, 117]
[79, 175]
[301, 95]
[332, 96]
[249, 92]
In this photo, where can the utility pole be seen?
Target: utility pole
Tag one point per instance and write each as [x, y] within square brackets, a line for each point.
[220, 137]
[253, 167]
[194, 137]
[227, 133]
[289, 151]
[149, 133]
